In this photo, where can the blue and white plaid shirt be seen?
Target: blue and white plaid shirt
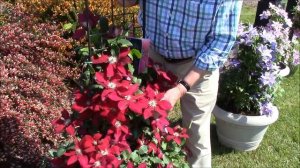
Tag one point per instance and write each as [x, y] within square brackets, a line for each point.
[204, 29]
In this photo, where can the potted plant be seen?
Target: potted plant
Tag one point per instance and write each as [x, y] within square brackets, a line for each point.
[251, 79]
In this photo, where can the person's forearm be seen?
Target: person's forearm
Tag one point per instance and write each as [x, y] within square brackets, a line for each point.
[193, 75]
[128, 2]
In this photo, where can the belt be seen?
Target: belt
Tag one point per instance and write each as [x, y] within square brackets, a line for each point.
[171, 60]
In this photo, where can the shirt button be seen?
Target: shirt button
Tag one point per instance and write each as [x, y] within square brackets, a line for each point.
[166, 34]
[171, 15]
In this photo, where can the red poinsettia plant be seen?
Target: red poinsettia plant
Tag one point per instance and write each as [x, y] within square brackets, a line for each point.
[118, 117]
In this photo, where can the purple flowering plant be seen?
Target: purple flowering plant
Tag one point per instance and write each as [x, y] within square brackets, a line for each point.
[250, 80]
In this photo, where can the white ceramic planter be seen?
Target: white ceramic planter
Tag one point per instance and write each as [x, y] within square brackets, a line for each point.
[284, 72]
[241, 132]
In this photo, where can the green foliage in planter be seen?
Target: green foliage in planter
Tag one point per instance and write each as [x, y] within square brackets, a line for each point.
[251, 79]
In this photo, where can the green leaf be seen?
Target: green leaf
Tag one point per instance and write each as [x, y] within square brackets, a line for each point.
[143, 150]
[186, 165]
[137, 80]
[60, 152]
[176, 164]
[130, 56]
[177, 149]
[84, 51]
[131, 68]
[123, 166]
[135, 157]
[124, 42]
[96, 87]
[96, 37]
[67, 26]
[147, 131]
[155, 160]
[135, 133]
[70, 145]
[125, 155]
[164, 145]
[135, 53]
[131, 116]
[114, 51]
[53, 153]
[155, 140]
[166, 160]
[86, 77]
[90, 68]
[112, 41]
[104, 24]
[182, 141]
[240, 89]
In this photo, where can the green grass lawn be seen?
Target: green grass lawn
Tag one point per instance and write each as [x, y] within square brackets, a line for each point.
[248, 13]
[280, 147]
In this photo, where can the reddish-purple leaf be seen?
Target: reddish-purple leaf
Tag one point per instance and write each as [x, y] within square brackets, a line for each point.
[79, 33]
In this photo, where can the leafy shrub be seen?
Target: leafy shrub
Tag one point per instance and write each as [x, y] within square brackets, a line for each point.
[63, 8]
[32, 91]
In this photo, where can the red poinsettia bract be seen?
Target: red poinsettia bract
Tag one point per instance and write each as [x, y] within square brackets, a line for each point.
[115, 64]
[76, 155]
[176, 134]
[64, 123]
[154, 105]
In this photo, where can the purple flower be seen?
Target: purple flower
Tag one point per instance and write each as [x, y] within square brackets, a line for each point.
[241, 29]
[267, 108]
[268, 36]
[247, 41]
[273, 45]
[265, 52]
[267, 65]
[265, 15]
[288, 22]
[296, 57]
[276, 25]
[248, 35]
[268, 78]
[234, 62]
[278, 10]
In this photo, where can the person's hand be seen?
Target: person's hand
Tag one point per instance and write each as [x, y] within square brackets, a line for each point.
[174, 94]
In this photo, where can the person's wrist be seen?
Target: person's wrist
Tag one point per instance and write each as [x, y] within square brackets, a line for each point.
[184, 84]
[182, 89]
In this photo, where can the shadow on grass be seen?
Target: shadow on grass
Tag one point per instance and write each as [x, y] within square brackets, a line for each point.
[176, 122]
[216, 147]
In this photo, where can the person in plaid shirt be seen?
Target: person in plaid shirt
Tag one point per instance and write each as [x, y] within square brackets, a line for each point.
[192, 39]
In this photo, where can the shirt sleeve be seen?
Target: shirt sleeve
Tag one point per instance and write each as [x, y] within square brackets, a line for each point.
[221, 38]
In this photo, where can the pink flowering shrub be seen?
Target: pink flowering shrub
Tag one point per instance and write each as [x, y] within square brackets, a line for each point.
[119, 117]
[32, 89]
